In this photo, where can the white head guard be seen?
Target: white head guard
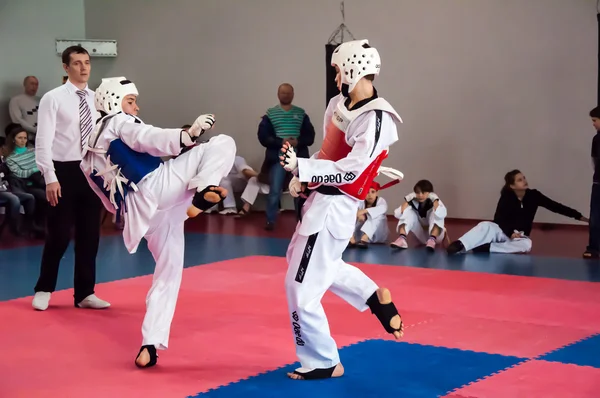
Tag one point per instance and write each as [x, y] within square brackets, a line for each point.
[356, 59]
[110, 93]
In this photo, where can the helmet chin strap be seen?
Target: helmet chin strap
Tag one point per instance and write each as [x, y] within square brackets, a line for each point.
[345, 89]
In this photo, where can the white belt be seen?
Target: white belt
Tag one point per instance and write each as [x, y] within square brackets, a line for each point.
[115, 184]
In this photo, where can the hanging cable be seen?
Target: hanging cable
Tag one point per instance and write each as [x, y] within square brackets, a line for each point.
[337, 37]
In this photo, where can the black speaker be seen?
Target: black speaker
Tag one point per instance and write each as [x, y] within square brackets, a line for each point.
[332, 89]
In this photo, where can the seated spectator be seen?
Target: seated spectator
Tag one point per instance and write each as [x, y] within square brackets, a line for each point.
[253, 188]
[12, 203]
[423, 214]
[282, 123]
[24, 176]
[234, 182]
[510, 230]
[23, 108]
[371, 219]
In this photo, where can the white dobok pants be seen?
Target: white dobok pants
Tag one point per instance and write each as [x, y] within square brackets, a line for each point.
[375, 228]
[253, 188]
[421, 228]
[315, 265]
[204, 165]
[489, 232]
[232, 185]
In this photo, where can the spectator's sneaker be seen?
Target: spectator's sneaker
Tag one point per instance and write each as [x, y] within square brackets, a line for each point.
[588, 254]
[399, 243]
[430, 245]
[41, 300]
[94, 302]
[228, 210]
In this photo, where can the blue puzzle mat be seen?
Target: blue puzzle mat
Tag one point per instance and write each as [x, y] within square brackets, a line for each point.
[585, 352]
[377, 368]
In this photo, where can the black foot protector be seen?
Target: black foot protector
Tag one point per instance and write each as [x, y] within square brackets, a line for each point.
[385, 313]
[153, 356]
[316, 374]
[207, 198]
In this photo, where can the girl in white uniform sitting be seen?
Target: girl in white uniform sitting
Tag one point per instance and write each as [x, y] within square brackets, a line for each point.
[509, 232]
[423, 214]
[371, 219]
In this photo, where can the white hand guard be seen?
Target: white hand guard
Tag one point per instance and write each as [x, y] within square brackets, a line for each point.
[433, 197]
[411, 196]
[288, 158]
[203, 123]
[295, 187]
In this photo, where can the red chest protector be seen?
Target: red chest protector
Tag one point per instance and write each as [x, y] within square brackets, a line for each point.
[335, 147]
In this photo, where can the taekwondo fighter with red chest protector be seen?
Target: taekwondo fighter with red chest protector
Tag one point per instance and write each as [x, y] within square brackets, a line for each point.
[359, 128]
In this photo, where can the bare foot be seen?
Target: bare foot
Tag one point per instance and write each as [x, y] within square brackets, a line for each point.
[212, 197]
[143, 359]
[337, 372]
[385, 297]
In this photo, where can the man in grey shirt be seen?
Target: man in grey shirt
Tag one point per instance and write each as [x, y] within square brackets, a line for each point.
[23, 108]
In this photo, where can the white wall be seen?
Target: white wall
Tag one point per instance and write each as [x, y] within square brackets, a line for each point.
[28, 29]
[484, 86]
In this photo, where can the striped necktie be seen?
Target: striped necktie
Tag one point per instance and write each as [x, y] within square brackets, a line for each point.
[85, 118]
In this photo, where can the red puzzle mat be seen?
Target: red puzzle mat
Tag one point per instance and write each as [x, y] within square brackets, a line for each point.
[231, 322]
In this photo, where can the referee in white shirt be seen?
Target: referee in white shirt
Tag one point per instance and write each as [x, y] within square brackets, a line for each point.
[66, 117]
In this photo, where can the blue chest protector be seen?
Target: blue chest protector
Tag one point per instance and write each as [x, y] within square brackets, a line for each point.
[132, 166]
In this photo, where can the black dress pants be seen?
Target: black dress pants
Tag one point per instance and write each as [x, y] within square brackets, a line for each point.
[78, 208]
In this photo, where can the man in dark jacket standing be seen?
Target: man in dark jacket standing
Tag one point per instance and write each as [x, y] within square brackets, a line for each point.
[282, 123]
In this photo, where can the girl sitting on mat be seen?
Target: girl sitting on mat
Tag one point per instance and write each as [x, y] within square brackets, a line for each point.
[423, 214]
[509, 232]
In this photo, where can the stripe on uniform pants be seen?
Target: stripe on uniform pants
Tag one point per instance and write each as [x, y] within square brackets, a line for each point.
[308, 250]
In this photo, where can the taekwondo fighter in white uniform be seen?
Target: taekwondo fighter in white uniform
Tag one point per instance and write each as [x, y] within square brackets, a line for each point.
[359, 128]
[123, 165]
